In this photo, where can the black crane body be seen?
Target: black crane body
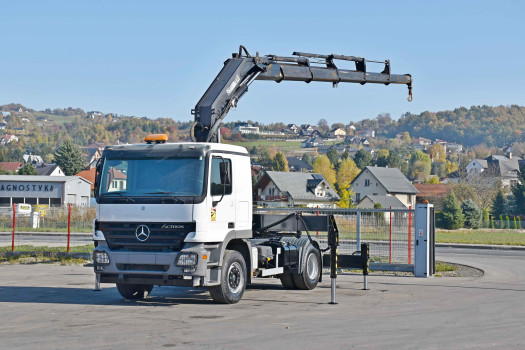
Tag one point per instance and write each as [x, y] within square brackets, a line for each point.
[242, 69]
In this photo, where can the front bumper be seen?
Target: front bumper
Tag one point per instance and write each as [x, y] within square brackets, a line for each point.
[154, 268]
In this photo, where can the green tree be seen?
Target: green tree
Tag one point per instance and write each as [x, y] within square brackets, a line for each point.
[518, 191]
[280, 163]
[473, 215]
[69, 158]
[419, 165]
[307, 158]
[362, 159]
[333, 156]
[323, 166]
[498, 205]
[28, 169]
[265, 159]
[453, 217]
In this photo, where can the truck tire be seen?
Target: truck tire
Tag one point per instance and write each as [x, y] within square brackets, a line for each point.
[233, 279]
[311, 273]
[134, 291]
[287, 281]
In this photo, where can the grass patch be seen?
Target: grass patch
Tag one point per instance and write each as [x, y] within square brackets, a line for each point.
[88, 248]
[46, 229]
[481, 236]
[444, 267]
[39, 259]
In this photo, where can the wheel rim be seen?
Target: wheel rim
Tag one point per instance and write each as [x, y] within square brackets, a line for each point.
[235, 277]
[312, 267]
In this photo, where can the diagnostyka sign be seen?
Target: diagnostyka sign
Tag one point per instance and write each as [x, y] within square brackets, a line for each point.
[30, 189]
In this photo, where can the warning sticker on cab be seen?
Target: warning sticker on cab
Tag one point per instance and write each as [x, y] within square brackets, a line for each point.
[213, 214]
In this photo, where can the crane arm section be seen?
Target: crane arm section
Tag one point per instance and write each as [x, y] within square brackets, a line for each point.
[242, 69]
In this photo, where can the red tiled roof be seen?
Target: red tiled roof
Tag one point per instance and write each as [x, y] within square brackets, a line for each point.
[10, 166]
[89, 175]
[432, 190]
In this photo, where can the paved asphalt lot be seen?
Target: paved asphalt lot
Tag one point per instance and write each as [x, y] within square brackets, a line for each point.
[51, 307]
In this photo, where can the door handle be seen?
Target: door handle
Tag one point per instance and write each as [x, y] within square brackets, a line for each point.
[231, 225]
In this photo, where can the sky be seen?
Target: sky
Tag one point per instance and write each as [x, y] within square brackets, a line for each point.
[157, 58]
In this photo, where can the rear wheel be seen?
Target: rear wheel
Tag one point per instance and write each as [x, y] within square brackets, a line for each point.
[311, 273]
[233, 279]
[134, 291]
[287, 281]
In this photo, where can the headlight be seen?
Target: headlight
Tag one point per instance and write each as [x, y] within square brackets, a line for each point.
[101, 258]
[187, 259]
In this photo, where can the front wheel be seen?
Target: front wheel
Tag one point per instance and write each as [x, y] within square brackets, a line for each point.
[311, 273]
[233, 279]
[134, 291]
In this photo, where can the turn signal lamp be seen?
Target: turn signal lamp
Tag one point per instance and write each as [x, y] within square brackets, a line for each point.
[157, 138]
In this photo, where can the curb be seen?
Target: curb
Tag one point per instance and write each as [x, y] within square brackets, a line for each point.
[480, 246]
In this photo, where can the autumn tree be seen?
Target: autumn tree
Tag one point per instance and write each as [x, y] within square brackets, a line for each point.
[280, 163]
[323, 166]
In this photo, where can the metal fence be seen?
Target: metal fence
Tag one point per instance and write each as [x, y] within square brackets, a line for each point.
[389, 232]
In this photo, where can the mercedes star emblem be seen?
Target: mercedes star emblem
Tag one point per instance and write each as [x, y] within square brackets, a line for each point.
[142, 233]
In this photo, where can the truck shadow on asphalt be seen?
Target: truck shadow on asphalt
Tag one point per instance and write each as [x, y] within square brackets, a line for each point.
[107, 296]
[165, 296]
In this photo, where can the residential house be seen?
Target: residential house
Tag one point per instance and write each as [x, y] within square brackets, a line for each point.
[6, 113]
[11, 166]
[245, 128]
[49, 170]
[441, 142]
[92, 155]
[454, 147]
[89, 175]
[337, 133]
[378, 181]
[497, 166]
[297, 164]
[33, 159]
[369, 133]
[7, 138]
[422, 141]
[294, 128]
[3, 125]
[312, 142]
[284, 189]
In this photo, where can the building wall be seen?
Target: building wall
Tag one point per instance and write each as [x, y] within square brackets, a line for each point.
[375, 188]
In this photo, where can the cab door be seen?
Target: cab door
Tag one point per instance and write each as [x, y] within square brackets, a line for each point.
[222, 195]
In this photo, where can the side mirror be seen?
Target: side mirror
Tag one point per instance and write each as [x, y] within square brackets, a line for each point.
[98, 172]
[225, 174]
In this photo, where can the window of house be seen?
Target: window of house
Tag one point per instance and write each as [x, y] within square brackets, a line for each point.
[367, 182]
[357, 197]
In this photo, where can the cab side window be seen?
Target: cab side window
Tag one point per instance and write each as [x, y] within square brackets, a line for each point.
[221, 176]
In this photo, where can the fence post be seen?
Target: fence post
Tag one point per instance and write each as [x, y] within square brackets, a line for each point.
[358, 231]
[14, 225]
[68, 226]
[409, 234]
[390, 235]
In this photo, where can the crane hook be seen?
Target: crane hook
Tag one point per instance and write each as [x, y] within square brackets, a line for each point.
[410, 93]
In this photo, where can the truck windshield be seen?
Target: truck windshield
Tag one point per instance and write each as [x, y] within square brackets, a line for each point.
[152, 177]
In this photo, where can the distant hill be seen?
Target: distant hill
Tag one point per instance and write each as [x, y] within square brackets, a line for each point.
[494, 126]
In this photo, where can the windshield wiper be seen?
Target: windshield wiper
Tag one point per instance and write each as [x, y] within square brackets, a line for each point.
[171, 197]
[120, 194]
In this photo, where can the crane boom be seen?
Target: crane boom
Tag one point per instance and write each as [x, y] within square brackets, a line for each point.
[242, 69]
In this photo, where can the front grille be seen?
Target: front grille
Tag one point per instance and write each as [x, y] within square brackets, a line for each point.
[163, 236]
[142, 267]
